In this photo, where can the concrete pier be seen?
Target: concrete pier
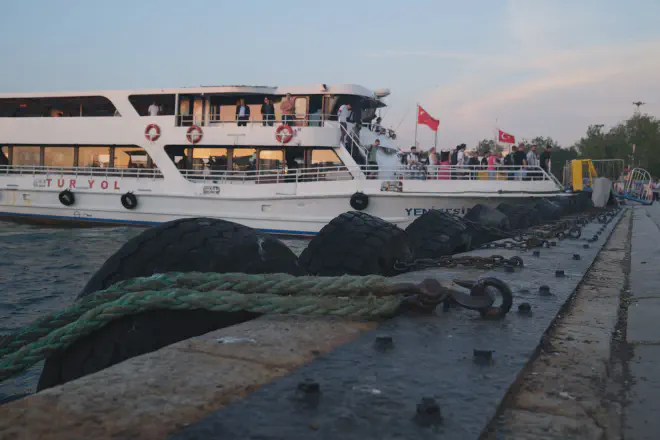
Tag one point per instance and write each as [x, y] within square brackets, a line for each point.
[244, 381]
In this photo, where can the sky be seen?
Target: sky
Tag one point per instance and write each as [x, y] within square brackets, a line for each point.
[528, 67]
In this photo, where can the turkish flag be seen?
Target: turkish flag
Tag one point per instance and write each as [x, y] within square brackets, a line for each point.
[506, 138]
[425, 119]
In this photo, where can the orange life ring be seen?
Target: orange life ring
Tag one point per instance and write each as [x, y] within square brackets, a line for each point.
[194, 134]
[148, 132]
[284, 134]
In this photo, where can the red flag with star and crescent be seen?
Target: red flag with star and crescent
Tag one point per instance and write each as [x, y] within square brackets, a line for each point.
[425, 119]
[506, 138]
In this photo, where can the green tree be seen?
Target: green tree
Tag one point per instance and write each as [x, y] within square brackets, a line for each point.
[487, 145]
[559, 158]
[543, 142]
[642, 131]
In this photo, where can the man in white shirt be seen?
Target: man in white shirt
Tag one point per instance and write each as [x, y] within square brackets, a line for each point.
[153, 109]
[532, 161]
[343, 114]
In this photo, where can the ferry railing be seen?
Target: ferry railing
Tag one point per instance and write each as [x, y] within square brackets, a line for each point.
[372, 172]
[144, 173]
[298, 120]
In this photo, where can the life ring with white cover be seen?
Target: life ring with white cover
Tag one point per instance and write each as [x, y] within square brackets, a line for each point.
[284, 134]
[152, 132]
[194, 134]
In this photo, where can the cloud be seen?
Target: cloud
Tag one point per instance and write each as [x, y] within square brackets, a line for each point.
[546, 81]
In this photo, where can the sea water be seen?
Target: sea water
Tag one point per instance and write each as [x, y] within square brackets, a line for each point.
[43, 269]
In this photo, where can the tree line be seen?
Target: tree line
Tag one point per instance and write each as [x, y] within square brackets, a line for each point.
[642, 131]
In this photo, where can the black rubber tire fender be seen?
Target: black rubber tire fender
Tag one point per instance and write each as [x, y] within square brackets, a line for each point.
[66, 197]
[487, 216]
[129, 200]
[518, 218]
[436, 233]
[359, 201]
[185, 245]
[548, 210]
[356, 243]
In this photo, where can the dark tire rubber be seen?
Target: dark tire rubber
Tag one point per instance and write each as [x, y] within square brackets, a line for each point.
[517, 215]
[356, 243]
[482, 215]
[186, 245]
[66, 197]
[548, 210]
[359, 201]
[436, 233]
[195, 245]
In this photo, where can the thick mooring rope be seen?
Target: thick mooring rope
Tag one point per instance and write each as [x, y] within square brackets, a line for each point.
[370, 297]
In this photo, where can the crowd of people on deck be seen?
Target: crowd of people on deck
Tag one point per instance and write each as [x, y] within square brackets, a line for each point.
[521, 163]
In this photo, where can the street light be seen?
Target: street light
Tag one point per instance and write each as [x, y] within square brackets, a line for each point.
[638, 104]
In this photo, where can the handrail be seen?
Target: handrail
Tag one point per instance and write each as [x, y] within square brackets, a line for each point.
[317, 119]
[82, 171]
[502, 173]
[354, 141]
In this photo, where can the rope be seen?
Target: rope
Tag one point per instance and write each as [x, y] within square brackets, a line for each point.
[276, 284]
[346, 296]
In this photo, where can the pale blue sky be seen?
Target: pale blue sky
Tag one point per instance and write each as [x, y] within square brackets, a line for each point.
[539, 67]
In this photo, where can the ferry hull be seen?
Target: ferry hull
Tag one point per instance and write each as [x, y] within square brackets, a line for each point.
[288, 216]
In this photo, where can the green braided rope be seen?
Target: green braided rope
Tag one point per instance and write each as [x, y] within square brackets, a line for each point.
[95, 311]
[276, 284]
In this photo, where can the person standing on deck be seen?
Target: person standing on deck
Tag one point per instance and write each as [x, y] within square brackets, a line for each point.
[545, 159]
[491, 164]
[520, 160]
[532, 161]
[267, 112]
[372, 160]
[153, 109]
[343, 114]
[242, 113]
[508, 161]
[287, 107]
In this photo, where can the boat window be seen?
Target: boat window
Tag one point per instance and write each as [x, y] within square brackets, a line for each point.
[214, 159]
[130, 157]
[94, 157]
[73, 106]
[165, 104]
[270, 160]
[325, 158]
[4, 155]
[244, 159]
[59, 156]
[26, 156]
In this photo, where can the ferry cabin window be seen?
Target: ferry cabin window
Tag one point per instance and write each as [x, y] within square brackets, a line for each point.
[165, 103]
[26, 156]
[325, 158]
[73, 106]
[212, 159]
[94, 157]
[4, 155]
[270, 160]
[59, 156]
[244, 159]
[130, 157]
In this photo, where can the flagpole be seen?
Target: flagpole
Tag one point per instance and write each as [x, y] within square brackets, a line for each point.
[435, 141]
[416, 122]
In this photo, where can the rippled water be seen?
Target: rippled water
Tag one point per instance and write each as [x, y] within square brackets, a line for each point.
[43, 269]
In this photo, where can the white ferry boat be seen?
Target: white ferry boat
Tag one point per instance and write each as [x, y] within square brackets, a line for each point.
[144, 157]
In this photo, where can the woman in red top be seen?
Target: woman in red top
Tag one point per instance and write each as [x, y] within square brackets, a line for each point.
[492, 163]
[444, 172]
